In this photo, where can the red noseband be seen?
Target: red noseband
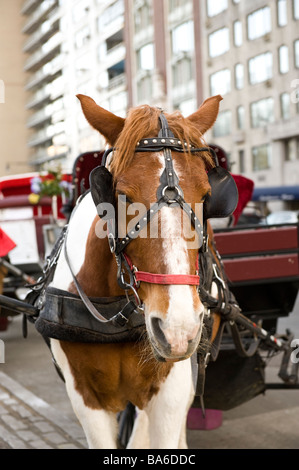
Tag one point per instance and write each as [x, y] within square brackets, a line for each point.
[183, 279]
[165, 279]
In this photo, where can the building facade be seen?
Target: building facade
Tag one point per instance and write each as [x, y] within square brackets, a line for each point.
[251, 54]
[174, 54]
[13, 131]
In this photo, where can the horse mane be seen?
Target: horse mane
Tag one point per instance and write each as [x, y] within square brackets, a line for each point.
[142, 122]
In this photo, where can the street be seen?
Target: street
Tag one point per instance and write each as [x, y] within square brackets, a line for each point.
[270, 421]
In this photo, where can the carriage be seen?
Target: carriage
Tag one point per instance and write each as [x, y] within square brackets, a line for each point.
[30, 230]
[93, 310]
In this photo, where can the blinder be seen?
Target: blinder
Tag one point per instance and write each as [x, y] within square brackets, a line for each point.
[102, 191]
[223, 199]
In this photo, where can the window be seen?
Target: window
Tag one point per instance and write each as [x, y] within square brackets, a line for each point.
[115, 40]
[145, 57]
[259, 23]
[219, 42]
[213, 8]
[182, 71]
[261, 157]
[296, 9]
[223, 124]
[239, 76]
[116, 73]
[292, 149]
[143, 16]
[240, 117]
[262, 112]
[110, 14]
[296, 52]
[283, 54]
[220, 82]
[285, 105]
[260, 68]
[182, 38]
[238, 34]
[282, 14]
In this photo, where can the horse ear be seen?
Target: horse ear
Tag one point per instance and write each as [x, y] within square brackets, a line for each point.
[107, 123]
[206, 115]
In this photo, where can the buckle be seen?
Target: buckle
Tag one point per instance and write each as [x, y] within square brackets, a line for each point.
[112, 242]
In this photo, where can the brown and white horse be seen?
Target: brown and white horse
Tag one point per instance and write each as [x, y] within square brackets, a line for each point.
[102, 378]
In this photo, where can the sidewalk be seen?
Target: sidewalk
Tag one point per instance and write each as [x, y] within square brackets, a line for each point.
[28, 422]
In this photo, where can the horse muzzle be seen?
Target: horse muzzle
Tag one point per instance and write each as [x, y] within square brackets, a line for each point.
[173, 344]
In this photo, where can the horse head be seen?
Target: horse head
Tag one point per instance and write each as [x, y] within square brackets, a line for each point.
[158, 183]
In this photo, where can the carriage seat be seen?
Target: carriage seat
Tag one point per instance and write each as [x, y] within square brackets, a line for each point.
[83, 165]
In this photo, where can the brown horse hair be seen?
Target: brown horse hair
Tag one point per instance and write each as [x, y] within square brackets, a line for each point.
[143, 122]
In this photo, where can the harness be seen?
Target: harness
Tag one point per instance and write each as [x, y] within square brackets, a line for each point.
[62, 315]
[220, 203]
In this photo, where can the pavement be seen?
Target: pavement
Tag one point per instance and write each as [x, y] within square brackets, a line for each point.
[35, 412]
[28, 422]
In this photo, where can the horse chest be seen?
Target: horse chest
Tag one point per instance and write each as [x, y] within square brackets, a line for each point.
[107, 376]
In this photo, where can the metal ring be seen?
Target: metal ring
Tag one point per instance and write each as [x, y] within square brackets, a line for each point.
[112, 242]
[139, 303]
[178, 193]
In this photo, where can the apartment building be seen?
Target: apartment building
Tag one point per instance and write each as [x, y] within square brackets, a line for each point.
[174, 54]
[13, 132]
[73, 47]
[251, 56]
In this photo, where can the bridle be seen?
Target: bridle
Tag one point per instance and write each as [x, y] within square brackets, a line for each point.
[169, 193]
[221, 203]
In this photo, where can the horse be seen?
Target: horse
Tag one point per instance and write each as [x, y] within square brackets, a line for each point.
[160, 163]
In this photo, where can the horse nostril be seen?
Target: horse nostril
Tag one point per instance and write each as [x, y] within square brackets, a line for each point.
[156, 324]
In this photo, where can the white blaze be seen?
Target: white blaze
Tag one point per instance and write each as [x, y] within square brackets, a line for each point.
[183, 317]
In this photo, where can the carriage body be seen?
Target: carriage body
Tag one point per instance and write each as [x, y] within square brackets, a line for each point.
[262, 266]
[31, 227]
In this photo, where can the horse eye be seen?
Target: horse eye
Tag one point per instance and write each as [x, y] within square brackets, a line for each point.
[203, 198]
[124, 197]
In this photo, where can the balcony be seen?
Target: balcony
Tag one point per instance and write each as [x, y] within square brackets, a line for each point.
[40, 98]
[47, 29]
[41, 137]
[117, 81]
[39, 118]
[47, 52]
[39, 15]
[29, 6]
[46, 74]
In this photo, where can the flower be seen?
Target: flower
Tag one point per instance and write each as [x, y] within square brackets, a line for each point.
[35, 184]
[49, 184]
[33, 198]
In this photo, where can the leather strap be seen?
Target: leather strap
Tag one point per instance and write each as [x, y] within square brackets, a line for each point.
[175, 279]
[120, 318]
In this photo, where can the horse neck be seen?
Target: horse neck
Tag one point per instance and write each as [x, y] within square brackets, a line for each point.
[98, 273]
